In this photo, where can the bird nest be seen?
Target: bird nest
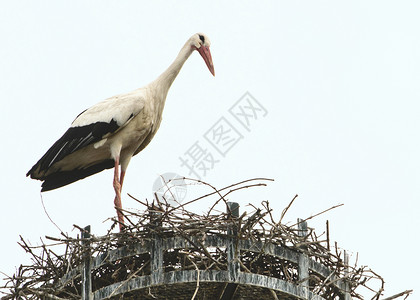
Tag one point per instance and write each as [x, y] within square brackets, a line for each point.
[217, 243]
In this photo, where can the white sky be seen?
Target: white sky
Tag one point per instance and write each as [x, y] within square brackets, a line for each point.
[339, 80]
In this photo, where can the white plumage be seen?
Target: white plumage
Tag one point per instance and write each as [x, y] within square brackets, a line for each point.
[109, 133]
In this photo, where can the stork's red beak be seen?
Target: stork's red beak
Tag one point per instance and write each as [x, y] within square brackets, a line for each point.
[206, 55]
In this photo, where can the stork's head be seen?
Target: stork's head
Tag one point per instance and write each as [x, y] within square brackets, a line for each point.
[201, 43]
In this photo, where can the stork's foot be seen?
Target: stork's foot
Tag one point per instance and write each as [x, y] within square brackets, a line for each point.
[117, 183]
[118, 208]
[118, 205]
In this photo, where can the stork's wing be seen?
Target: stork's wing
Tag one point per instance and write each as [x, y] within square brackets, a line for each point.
[91, 126]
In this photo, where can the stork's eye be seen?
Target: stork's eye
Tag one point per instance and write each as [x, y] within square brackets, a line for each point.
[201, 38]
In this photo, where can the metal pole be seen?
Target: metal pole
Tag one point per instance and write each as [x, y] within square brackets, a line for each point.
[156, 253]
[232, 210]
[86, 271]
[347, 295]
[303, 266]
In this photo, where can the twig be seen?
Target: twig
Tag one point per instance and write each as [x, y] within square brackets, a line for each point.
[406, 293]
[45, 210]
[324, 211]
[198, 274]
[283, 213]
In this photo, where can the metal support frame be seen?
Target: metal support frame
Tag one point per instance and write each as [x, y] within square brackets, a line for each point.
[86, 267]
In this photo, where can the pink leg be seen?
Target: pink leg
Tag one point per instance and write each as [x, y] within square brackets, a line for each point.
[117, 187]
[122, 178]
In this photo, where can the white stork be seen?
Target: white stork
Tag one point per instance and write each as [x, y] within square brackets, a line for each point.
[109, 133]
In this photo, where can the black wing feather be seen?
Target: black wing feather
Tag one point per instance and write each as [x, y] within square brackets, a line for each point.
[60, 179]
[75, 138]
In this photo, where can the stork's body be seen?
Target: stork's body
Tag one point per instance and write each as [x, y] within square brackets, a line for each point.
[111, 132]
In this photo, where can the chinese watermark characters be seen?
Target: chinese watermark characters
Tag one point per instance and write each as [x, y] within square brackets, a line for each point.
[199, 159]
[204, 154]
